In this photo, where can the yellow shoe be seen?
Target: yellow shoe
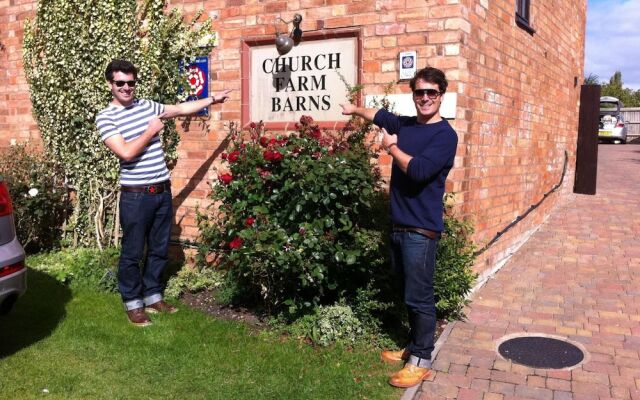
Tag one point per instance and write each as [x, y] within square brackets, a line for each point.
[395, 356]
[409, 376]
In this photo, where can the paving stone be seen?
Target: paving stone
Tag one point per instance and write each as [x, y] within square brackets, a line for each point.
[524, 391]
[536, 381]
[480, 384]
[470, 394]
[558, 384]
[502, 388]
[560, 395]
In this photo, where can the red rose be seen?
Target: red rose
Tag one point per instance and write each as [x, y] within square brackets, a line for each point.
[272, 142]
[264, 141]
[223, 156]
[276, 157]
[252, 125]
[225, 178]
[316, 134]
[306, 120]
[235, 243]
[249, 221]
[233, 157]
[272, 156]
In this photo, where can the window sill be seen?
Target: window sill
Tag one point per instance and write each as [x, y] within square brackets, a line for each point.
[524, 24]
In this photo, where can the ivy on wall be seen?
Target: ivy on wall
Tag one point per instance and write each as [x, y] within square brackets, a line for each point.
[66, 50]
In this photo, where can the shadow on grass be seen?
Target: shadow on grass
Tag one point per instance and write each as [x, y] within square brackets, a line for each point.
[35, 315]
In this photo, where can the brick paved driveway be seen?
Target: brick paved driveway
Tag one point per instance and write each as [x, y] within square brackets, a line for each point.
[577, 277]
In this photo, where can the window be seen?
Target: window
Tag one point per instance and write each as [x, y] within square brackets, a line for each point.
[522, 15]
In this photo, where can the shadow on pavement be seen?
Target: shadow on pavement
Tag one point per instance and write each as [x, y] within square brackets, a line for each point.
[35, 315]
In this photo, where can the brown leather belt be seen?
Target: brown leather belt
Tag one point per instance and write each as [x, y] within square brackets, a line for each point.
[430, 234]
[156, 188]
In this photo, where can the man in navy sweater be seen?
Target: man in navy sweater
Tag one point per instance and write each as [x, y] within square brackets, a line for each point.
[423, 150]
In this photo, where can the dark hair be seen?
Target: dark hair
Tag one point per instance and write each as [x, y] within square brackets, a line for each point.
[121, 66]
[431, 75]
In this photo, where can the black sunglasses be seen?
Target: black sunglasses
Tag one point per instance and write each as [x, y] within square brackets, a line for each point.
[431, 93]
[121, 83]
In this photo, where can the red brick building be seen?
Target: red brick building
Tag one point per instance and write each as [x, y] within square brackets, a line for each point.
[516, 91]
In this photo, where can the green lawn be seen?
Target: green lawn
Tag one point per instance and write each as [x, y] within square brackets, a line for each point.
[79, 345]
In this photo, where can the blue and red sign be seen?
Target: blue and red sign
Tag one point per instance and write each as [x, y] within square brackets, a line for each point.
[198, 78]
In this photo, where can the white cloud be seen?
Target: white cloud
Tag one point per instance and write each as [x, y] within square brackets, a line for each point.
[613, 40]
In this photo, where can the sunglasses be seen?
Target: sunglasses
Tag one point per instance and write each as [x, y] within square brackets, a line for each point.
[121, 83]
[431, 93]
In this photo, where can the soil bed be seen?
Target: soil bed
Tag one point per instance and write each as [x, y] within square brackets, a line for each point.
[205, 301]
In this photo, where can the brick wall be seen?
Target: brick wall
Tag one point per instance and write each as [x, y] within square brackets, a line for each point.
[517, 101]
[16, 121]
[520, 108]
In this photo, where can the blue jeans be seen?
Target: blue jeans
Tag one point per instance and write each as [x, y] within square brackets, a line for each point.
[146, 220]
[414, 259]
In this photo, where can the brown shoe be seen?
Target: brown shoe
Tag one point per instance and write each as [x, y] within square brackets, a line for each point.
[160, 307]
[138, 317]
[395, 355]
[409, 376]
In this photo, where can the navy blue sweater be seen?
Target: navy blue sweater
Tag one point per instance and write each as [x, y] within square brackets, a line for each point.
[416, 197]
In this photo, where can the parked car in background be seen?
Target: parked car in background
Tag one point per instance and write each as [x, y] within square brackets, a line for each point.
[13, 272]
[612, 128]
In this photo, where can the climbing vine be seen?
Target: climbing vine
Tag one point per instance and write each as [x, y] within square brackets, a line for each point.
[66, 50]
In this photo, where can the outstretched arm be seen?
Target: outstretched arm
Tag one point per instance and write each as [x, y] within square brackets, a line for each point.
[192, 107]
[366, 113]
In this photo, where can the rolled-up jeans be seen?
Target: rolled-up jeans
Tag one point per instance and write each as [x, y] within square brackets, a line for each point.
[146, 220]
[413, 258]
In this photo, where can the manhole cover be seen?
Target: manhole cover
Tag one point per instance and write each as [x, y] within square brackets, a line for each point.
[541, 352]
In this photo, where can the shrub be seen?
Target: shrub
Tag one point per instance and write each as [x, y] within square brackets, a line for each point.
[336, 324]
[292, 219]
[40, 199]
[193, 280]
[454, 277]
[80, 267]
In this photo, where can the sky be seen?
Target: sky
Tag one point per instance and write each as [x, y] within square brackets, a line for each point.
[613, 40]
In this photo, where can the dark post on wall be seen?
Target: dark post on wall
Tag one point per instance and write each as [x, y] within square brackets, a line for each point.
[587, 150]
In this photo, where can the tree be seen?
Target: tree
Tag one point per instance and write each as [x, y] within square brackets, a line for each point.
[66, 50]
[592, 79]
[615, 88]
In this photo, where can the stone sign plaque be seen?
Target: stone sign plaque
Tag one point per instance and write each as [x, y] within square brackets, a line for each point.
[309, 80]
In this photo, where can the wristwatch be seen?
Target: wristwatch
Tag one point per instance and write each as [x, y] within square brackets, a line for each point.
[390, 146]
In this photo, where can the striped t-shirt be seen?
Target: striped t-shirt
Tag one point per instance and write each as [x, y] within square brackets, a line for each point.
[130, 122]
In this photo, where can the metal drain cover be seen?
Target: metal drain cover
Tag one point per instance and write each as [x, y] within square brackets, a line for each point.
[541, 352]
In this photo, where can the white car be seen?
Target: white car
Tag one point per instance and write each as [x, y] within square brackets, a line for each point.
[612, 127]
[13, 272]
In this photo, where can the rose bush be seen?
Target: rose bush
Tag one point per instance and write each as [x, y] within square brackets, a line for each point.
[292, 219]
[40, 198]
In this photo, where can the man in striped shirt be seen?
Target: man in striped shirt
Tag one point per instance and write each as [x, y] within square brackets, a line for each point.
[129, 127]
